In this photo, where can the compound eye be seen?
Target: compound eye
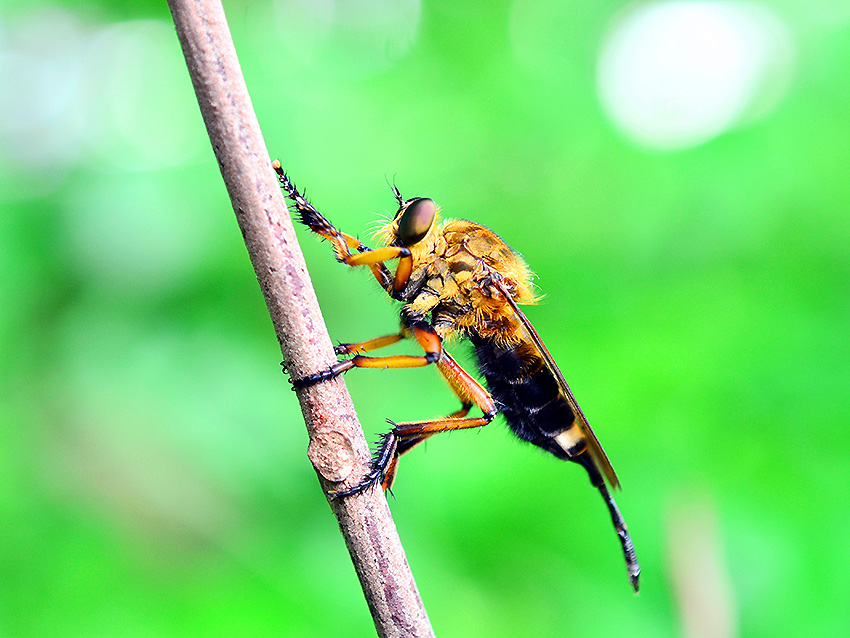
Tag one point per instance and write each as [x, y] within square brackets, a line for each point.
[416, 220]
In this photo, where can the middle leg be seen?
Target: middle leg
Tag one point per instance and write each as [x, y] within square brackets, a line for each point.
[421, 331]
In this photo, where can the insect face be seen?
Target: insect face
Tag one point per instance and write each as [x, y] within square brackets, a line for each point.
[415, 218]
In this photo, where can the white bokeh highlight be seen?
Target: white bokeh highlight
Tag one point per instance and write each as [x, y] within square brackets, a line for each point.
[351, 39]
[676, 74]
[111, 96]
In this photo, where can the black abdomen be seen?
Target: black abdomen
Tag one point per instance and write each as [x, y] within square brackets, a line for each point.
[526, 391]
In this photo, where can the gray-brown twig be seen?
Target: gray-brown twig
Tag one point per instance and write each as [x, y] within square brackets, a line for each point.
[337, 447]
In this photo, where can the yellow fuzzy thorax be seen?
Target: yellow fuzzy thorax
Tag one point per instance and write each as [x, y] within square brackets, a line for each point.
[462, 261]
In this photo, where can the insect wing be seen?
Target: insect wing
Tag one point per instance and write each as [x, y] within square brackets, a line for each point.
[593, 445]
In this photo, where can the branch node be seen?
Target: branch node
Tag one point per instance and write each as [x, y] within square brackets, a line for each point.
[332, 454]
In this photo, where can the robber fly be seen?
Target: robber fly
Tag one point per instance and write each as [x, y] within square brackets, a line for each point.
[458, 278]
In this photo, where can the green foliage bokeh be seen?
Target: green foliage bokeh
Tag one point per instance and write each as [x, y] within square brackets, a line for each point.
[153, 459]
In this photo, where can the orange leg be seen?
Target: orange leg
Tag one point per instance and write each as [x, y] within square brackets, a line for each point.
[343, 243]
[422, 332]
[375, 258]
[405, 436]
[366, 346]
[408, 444]
[405, 445]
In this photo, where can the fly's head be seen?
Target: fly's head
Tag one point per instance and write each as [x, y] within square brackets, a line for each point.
[413, 224]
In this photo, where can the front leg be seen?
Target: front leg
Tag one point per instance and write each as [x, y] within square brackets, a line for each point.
[344, 243]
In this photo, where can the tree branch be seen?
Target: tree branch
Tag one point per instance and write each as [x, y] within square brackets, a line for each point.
[337, 447]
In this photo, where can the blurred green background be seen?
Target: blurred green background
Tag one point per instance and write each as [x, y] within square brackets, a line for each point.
[676, 175]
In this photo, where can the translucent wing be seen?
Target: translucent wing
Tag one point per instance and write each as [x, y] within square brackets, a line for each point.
[593, 445]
